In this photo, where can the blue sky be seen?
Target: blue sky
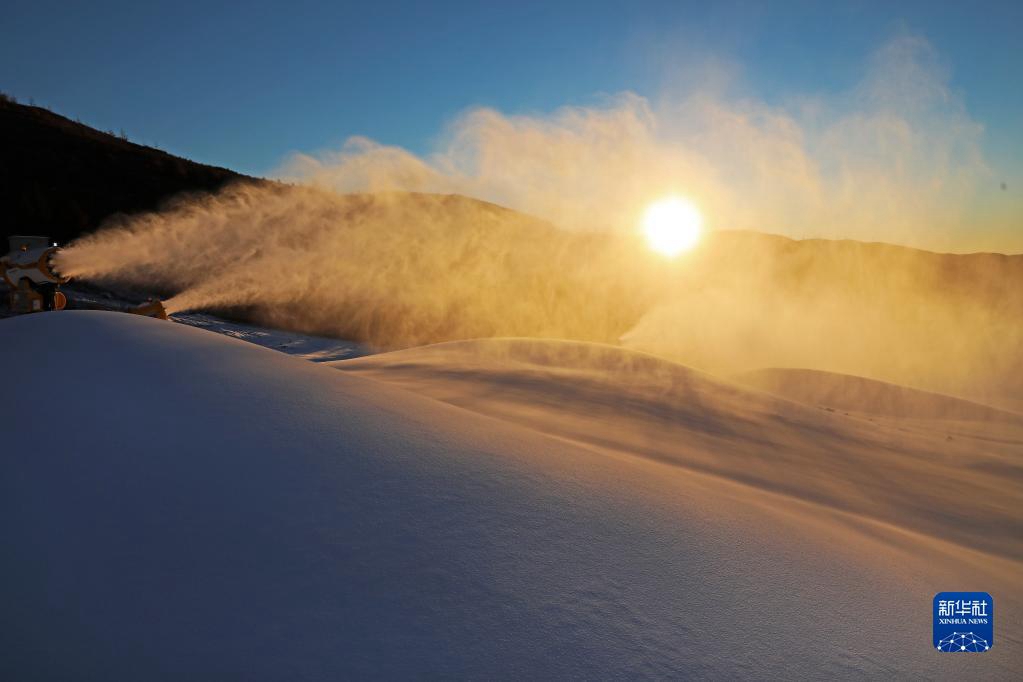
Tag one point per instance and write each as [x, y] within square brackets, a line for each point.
[243, 85]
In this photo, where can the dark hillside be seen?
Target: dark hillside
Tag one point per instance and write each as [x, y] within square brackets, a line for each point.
[61, 178]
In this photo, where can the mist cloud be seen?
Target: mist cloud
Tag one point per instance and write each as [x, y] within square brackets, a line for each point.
[894, 158]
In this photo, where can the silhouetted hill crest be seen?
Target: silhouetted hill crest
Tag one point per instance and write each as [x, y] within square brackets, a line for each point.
[62, 178]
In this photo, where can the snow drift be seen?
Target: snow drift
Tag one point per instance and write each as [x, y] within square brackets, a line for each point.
[629, 403]
[859, 394]
[178, 504]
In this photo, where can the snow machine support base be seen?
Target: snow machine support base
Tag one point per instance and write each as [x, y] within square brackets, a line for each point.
[151, 309]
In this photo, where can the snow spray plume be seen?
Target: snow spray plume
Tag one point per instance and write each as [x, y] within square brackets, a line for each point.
[392, 269]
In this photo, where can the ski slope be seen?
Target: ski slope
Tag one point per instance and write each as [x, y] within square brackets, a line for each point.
[927, 463]
[178, 504]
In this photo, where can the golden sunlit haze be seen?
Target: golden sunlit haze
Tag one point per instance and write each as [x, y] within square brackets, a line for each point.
[672, 225]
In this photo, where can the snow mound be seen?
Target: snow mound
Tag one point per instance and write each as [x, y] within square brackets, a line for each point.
[633, 404]
[177, 504]
[859, 394]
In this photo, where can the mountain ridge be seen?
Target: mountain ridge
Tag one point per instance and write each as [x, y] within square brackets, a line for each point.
[63, 179]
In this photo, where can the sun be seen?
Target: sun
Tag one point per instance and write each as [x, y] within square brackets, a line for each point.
[672, 225]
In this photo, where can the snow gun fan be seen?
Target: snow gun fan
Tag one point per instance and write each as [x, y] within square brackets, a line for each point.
[29, 271]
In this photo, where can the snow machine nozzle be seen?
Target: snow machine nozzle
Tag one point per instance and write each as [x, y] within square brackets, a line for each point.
[151, 309]
[29, 272]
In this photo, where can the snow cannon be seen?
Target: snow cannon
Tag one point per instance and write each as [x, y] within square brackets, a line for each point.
[29, 272]
[151, 309]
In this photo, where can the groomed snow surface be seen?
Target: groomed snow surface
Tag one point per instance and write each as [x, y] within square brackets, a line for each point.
[178, 504]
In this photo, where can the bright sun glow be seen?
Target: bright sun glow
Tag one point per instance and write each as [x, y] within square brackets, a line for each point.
[672, 225]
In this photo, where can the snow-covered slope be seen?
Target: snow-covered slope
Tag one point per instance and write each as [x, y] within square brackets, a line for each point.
[880, 466]
[305, 346]
[177, 504]
[859, 394]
